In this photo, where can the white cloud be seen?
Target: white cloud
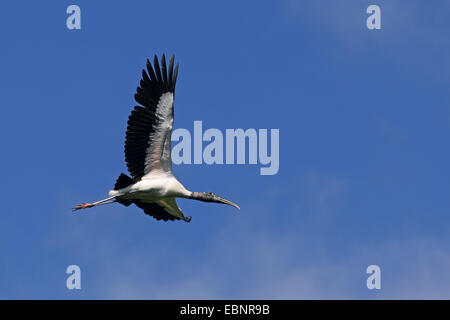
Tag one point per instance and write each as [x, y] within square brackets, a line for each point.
[257, 258]
[413, 34]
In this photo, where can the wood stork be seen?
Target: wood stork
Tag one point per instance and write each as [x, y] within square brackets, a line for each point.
[152, 186]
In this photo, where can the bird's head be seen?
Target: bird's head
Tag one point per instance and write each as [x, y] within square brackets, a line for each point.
[211, 197]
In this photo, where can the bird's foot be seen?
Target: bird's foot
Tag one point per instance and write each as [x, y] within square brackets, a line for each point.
[187, 219]
[83, 206]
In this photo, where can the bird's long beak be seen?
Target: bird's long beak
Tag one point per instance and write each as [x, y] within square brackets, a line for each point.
[211, 197]
[225, 201]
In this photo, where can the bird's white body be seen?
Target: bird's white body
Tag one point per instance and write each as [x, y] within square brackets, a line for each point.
[156, 187]
[152, 188]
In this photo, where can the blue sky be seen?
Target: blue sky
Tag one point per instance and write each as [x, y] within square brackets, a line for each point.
[364, 124]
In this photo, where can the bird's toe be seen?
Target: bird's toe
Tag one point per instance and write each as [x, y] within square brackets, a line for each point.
[82, 206]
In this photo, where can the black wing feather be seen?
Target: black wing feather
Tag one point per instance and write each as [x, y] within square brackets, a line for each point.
[175, 75]
[171, 71]
[164, 72]
[155, 210]
[150, 71]
[157, 70]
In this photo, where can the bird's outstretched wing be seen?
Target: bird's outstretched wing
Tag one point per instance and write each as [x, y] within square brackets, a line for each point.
[149, 131]
[164, 209]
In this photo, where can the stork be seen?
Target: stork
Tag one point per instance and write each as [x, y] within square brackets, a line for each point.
[152, 185]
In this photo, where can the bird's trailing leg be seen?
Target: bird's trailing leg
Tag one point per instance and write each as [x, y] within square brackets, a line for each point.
[90, 205]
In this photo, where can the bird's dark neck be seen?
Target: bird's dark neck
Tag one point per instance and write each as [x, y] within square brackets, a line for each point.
[203, 196]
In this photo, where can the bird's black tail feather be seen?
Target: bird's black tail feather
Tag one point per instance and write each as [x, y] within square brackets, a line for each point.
[122, 182]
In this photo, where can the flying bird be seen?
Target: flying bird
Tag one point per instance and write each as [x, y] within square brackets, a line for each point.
[152, 185]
